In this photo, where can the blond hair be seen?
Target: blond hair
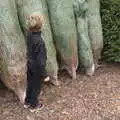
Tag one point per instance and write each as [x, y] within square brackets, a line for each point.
[35, 22]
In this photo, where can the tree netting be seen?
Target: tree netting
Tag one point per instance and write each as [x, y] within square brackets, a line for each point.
[84, 44]
[12, 49]
[95, 28]
[25, 9]
[64, 32]
[110, 11]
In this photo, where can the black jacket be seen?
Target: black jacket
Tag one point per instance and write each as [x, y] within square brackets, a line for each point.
[36, 52]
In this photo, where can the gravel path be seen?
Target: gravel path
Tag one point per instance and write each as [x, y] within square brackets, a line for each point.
[87, 98]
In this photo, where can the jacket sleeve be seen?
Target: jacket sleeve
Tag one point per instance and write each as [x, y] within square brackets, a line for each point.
[41, 56]
[41, 60]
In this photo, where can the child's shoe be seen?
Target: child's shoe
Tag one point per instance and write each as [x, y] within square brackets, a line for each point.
[47, 79]
[36, 108]
[26, 105]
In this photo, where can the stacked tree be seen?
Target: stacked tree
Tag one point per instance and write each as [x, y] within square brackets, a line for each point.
[12, 49]
[95, 28]
[110, 11]
[84, 43]
[64, 32]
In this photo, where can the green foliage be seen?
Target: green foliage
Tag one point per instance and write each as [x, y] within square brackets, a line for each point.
[110, 11]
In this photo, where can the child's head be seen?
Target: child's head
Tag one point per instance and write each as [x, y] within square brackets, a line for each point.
[35, 22]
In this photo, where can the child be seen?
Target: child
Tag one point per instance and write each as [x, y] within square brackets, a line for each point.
[37, 56]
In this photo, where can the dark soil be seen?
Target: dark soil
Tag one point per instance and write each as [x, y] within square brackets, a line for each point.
[87, 98]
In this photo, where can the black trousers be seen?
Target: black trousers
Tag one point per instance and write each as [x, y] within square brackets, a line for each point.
[34, 83]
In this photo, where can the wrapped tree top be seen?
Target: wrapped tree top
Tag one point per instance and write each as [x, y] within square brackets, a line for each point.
[12, 49]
